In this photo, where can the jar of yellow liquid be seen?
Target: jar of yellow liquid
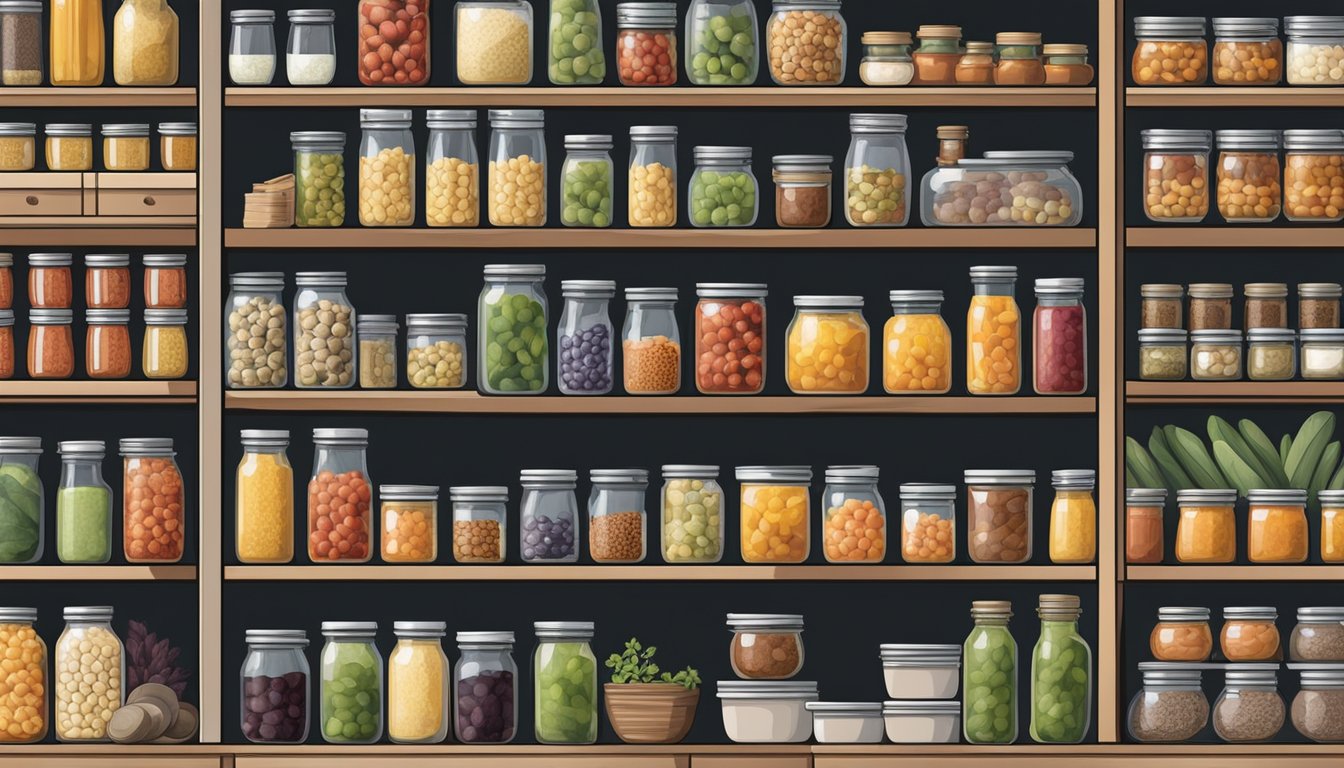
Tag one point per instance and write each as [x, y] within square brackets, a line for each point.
[1073, 516]
[77, 42]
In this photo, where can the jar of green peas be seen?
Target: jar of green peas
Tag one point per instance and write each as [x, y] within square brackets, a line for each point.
[723, 188]
[586, 195]
[721, 42]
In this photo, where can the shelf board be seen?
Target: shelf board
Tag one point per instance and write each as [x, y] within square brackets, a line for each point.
[1250, 392]
[97, 573]
[69, 392]
[1267, 96]
[472, 402]
[97, 98]
[659, 572]
[1179, 236]
[1234, 572]
[674, 97]
[74, 234]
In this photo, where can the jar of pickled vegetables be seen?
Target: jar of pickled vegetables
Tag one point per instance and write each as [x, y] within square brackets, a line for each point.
[916, 345]
[436, 347]
[452, 169]
[107, 343]
[652, 178]
[1207, 527]
[730, 338]
[339, 497]
[1313, 185]
[107, 280]
[1248, 176]
[69, 146]
[1061, 674]
[512, 357]
[877, 171]
[153, 501]
[775, 513]
[989, 676]
[692, 514]
[386, 168]
[617, 522]
[252, 47]
[480, 522]
[1059, 337]
[1278, 526]
[25, 538]
[802, 190]
[1019, 59]
[854, 520]
[1315, 44]
[319, 178]
[565, 693]
[1171, 51]
[418, 684]
[584, 337]
[1247, 51]
[310, 52]
[89, 666]
[999, 512]
[1144, 529]
[51, 347]
[766, 646]
[517, 174]
[576, 56]
[1181, 634]
[485, 688]
[1249, 634]
[586, 189]
[410, 523]
[646, 43]
[165, 354]
[1215, 356]
[976, 65]
[723, 189]
[993, 333]
[494, 42]
[938, 54]
[1332, 523]
[125, 146]
[351, 683]
[828, 346]
[550, 515]
[1176, 174]
[1249, 709]
[1271, 354]
[1171, 706]
[886, 58]
[1073, 516]
[18, 146]
[721, 43]
[276, 664]
[651, 342]
[806, 40]
[377, 351]
[83, 505]
[1066, 64]
[25, 677]
[264, 489]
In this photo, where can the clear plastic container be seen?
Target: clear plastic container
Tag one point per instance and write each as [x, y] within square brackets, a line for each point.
[77, 43]
[1170, 707]
[1066, 64]
[617, 520]
[256, 340]
[1318, 305]
[806, 40]
[584, 337]
[565, 674]
[1163, 355]
[1002, 189]
[51, 347]
[587, 197]
[550, 516]
[351, 691]
[993, 333]
[916, 345]
[877, 171]
[938, 54]
[576, 56]
[693, 519]
[886, 59]
[802, 190]
[1249, 710]
[1248, 176]
[722, 47]
[646, 44]
[1019, 55]
[377, 351]
[21, 55]
[1144, 530]
[1171, 51]
[999, 514]
[775, 513]
[88, 653]
[25, 538]
[1322, 354]
[1073, 516]
[1316, 706]
[1215, 355]
[340, 521]
[1176, 174]
[989, 676]
[319, 178]
[494, 42]
[1313, 173]
[154, 501]
[651, 342]
[652, 198]
[828, 346]
[325, 340]
[1315, 50]
[1249, 634]
[480, 523]
[107, 343]
[436, 351]
[25, 673]
[854, 517]
[410, 523]
[1278, 526]
[69, 146]
[1059, 337]
[1061, 674]
[928, 523]
[310, 52]
[730, 338]
[723, 190]
[1207, 531]
[517, 177]
[386, 168]
[1271, 354]
[485, 685]
[394, 42]
[83, 505]
[18, 146]
[1318, 634]
[452, 169]
[276, 663]
[1247, 51]
[1181, 634]
[512, 357]
[418, 684]
[766, 646]
[264, 511]
[252, 47]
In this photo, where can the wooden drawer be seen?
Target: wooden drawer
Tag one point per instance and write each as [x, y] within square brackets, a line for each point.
[108, 760]
[146, 194]
[481, 759]
[751, 761]
[41, 194]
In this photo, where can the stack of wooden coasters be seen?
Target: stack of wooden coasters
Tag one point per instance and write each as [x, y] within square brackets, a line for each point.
[270, 204]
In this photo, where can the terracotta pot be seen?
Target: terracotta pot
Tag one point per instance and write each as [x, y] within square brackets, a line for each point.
[650, 713]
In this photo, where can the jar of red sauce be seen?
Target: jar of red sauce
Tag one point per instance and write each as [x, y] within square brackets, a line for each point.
[646, 43]
[107, 280]
[107, 343]
[165, 280]
[1059, 337]
[51, 348]
[49, 282]
[730, 338]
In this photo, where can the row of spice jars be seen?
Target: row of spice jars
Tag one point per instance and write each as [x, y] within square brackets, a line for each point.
[69, 146]
[107, 344]
[1248, 634]
[1014, 58]
[153, 502]
[1266, 306]
[145, 40]
[1247, 51]
[1248, 175]
[1270, 354]
[107, 280]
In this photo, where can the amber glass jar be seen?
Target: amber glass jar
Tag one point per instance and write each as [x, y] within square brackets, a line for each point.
[107, 280]
[107, 343]
[51, 349]
[1019, 59]
[1249, 634]
[976, 66]
[49, 281]
[165, 280]
[938, 53]
[1181, 634]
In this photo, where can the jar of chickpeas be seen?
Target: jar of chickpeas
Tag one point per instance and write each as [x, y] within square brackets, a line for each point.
[1176, 174]
[1248, 176]
[452, 169]
[1313, 174]
[517, 174]
[1171, 51]
[435, 351]
[1247, 51]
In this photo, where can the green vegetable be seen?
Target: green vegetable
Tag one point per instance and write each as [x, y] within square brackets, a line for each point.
[576, 43]
[1337, 482]
[1189, 450]
[587, 194]
[635, 665]
[1177, 479]
[84, 524]
[1326, 468]
[1308, 446]
[352, 696]
[726, 199]
[1285, 445]
[566, 693]
[1130, 480]
[1242, 476]
[724, 51]
[1220, 429]
[1138, 462]
[1259, 444]
[20, 514]
[319, 189]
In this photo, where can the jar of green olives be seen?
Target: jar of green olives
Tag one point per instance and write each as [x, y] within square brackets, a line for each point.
[586, 196]
[721, 43]
[319, 178]
[723, 188]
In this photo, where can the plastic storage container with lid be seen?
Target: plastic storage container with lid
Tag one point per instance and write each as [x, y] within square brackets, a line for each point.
[565, 674]
[1059, 337]
[916, 345]
[1313, 185]
[652, 176]
[1315, 50]
[252, 47]
[1066, 64]
[177, 146]
[1207, 530]
[436, 351]
[511, 346]
[854, 517]
[1249, 709]
[549, 513]
[480, 523]
[310, 52]
[377, 351]
[576, 56]
[692, 514]
[1271, 354]
[83, 504]
[721, 42]
[25, 671]
[276, 664]
[730, 349]
[1176, 174]
[646, 44]
[999, 514]
[341, 472]
[1215, 355]
[587, 198]
[1315, 709]
[88, 651]
[386, 168]
[886, 58]
[1318, 635]
[877, 171]
[766, 646]
[1322, 354]
[1171, 50]
[517, 174]
[165, 280]
[1249, 634]
[989, 676]
[410, 523]
[584, 337]
[18, 151]
[399, 55]
[993, 333]
[1181, 634]
[351, 691]
[938, 53]
[1061, 674]
[77, 43]
[775, 513]
[452, 169]
[1019, 55]
[651, 342]
[485, 688]
[418, 684]
[917, 671]
[802, 190]
[617, 521]
[494, 42]
[1318, 305]
[25, 540]
[723, 189]
[1247, 51]
[107, 280]
[1278, 526]
[1171, 706]
[323, 313]
[928, 526]
[256, 341]
[846, 722]
[1144, 529]
[69, 146]
[1248, 176]
[21, 58]
[976, 65]
[767, 711]
[107, 343]
[51, 346]
[319, 178]
[264, 513]
[806, 40]
[1034, 189]
[1073, 516]
[828, 343]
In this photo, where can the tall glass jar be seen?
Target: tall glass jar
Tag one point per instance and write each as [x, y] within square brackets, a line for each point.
[255, 337]
[319, 178]
[877, 168]
[480, 522]
[993, 333]
[324, 332]
[806, 40]
[1059, 337]
[351, 711]
[999, 514]
[721, 42]
[512, 357]
[586, 195]
[1278, 526]
[1171, 51]
[264, 516]
[928, 523]
[854, 520]
[1250, 709]
[51, 347]
[1073, 516]
[1019, 59]
[275, 664]
[517, 177]
[107, 280]
[886, 58]
[1171, 706]
[989, 676]
[410, 523]
[154, 501]
[938, 54]
[653, 176]
[145, 43]
[617, 520]
[77, 42]
[418, 684]
[1207, 531]
[565, 671]
[802, 190]
[828, 346]
[165, 353]
[693, 519]
[399, 54]
[107, 343]
[89, 666]
[494, 42]
[723, 190]
[1061, 674]
[576, 56]
[24, 675]
[83, 505]
[452, 169]
[1144, 528]
[1332, 520]
[584, 337]
[1248, 176]
[651, 342]
[339, 497]
[976, 65]
[1247, 51]
[310, 53]
[646, 44]
[436, 351]
[730, 338]
[22, 64]
[1313, 186]
[485, 684]
[549, 513]
[386, 168]
[1176, 174]
[377, 351]
[775, 513]
[1315, 44]
[25, 536]
[252, 47]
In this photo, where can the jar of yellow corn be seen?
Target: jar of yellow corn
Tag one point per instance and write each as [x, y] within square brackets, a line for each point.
[517, 178]
[264, 519]
[653, 176]
[916, 345]
[1073, 516]
[993, 333]
[828, 346]
[775, 513]
[165, 353]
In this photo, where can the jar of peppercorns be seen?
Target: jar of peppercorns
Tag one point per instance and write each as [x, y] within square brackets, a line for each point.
[651, 342]
[730, 338]
[479, 522]
[617, 520]
[339, 497]
[766, 646]
[646, 43]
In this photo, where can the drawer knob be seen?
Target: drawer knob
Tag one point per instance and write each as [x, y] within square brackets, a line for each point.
[31, 200]
[149, 199]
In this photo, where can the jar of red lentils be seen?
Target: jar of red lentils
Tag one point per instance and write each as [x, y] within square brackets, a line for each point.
[154, 501]
[6, 343]
[730, 338]
[51, 348]
[49, 281]
[107, 343]
[6, 281]
[107, 280]
[339, 497]
[165, 280]
[651, 342]
[617, 518]
[646, 43]
[854, 518]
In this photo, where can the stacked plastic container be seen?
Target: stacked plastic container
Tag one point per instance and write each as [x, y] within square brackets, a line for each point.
[923, 682]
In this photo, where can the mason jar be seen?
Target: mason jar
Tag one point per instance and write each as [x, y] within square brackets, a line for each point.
[1059, 337]
[406, 44]
[886, 58]
[877, 169]
[256, 345]
[511, 325]
[517, 177]
[436, 351]
[341, 472]
[264, 494]
[802, 190]
[1315, 47]
[1171, 51]
[1162, 354]
[310, 55]
[25, 670]
[1318, 305]
[154, 501]
[319, 178]
[485, 688]
[1176, 174]
[418, 684]
[1248, 176]
[90, 652]
[1215, 355]
[775, 513]
[377, 351]
[723, 189]
[651, 342]
[1171, 706]
[1249, 710]
[653, 176]
[107, 343]
[1247, 51]
[1019, 55]
[410, 523]
[549, 512]
[854, 517]
[646, 44]
[993, 366]
[452, 169]
[351, 710]
[730, 338]
[722, 47]
[1322, 351]
[1313, 187]
[1271, 354]
[692, 514]
[480, 523]
[928, 523]
[999, 515]
[275, 664]
[586, 188]
[576, 56]
[83, 505]
[51, 345]
[325, 348]
[565, 673]
[25, 538]
[806, 40]
[584, 337]
[617, 520]
[828, 346]
[252, 47]
[386, 168]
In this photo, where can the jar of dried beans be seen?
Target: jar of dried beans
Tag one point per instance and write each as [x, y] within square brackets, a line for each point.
[1248, 176]
[1318, 708]
[617, 520]
[1176, 174]
[549, 511]
[1162, 354]
[1319, 634]
[916, 345]
[1247, 51]
[436, 347]
[1059, 337]
[377, 351]
[325, 351]
[485, 688]
[1171, 51]
[107, 280]
[1210, 307]
[877, 171]
[256, 340]
[1144, 534]
[766, 646]
[999, 512]
[806, 42]
[452, 169]
[1313, 172]
[1249, 709]
[1073, 516]
[854, 517]
[928, 523]
[410, 523]
[386, 167]
[651, 342]
[90, 665]
[646, 43]
[1181, 634]
[339, 497]
[730, 338]
[802, 190]
[1318, 305]
[51, 347]
[394, 42]
[49, 283]
[1249, 634]
[652, 177]
[153, 500]
[107, 343]
[1278, 526]
[479, 520]
[1171, 706]
[1207, 530]
[517, 173]
[1271, 354]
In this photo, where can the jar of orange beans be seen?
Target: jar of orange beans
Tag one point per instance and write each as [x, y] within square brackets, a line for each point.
[1247, 51]
[409, 523]
[1249, 634]
[730, 338]
[153, 499]
[1171, 50]
[339, 497]
[775, 513]
[854, 522]
[993, 333]
[928, 523]
[1181, 634]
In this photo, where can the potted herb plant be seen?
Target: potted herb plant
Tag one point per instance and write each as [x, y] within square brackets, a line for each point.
[646, 705]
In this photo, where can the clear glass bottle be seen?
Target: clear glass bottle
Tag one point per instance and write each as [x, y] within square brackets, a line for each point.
[1278, 526]
[165, 280]
[928, 523]
[436, 351]
[877, 171]
[730, 349]
[69, 146]
[252, 47]
[1313, 188]
[565, 672]
[1314, 46]
[775, 513]
[1171, 706]
[999, 514]
[418, 684]
[386, 168]
[517, 178]
[83, 505]
[154, 501]
[51, 346]
[89, 651]
[485, 682]
[256, 344]
[576, 56]
[511, 324]
[480, 523]
[617, 520]
[25, 536]
[976, 65]
[22, 64]
[586, 188]
[549, 513]
[319, 178]
[276, 663]
[1249, 709]
[325, 323]
[1059, 337]
[351, 709]
[1145, 534]
[452, 169]
[1249, 634]
[693, 519]
[1271, 354]
[1207, 531]
[1061, 674]
[1215, 356]
[653, 176]
[107, 343]
[410, 523]
[722, 47]
[723, 189]
[310, 55]
[165, 353]
[407, 43]
[1171, 51]
[1019, 56]
[494, 42]
[646, 44]
[1176, 174]
[989, 676]
[828, 346]
[77, 42]
[1322, 354]
[1247, 51]
[651, 342]
[340, 532]
[1248, 176]
[806, 40]
[854, 517]
[802, 190]
[26, 667]
[993, 333]
[584, 337]
[938, 54]
[1073, 516]
[377, 351]
[264, 515]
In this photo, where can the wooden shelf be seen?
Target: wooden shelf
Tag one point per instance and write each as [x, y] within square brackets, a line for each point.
[1276, 238]
[397, 401]
[26, 233]
[675, 97]
[1269, 96]
[560, 237]
[97, 573]
[1234, 572]
[71, 392]
[97, 98]
[1250, 392]
[659, 572]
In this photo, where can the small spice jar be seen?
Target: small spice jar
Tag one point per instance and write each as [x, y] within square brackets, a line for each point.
[938, 53]
[1319, 634]
[6, 281]
[1210, 307]
[928, 523]
[886, 58]
[976, 65]
[17, 146]
[1318, 305]
[107, 343]
[1249, 634]
[6, 343]
[177, 146]
[952, 141]
[766, 646]
[1317, 704]
[51, 347]
[1019, 59]
[1161, 306]
[1171, 51]
[377, 335]
[1066, 64]
[1248, 176]
[1271, 354]
[49, 281]
[1171, 706]
[1181, 634]
[802, 190]
[165, 353]
[1278, 525]
[1247, 51]
[1266, 305]
[1249, 709]
[1207, 528]
[1162, 354]
[69, 146]
[1144, 532]
[165, 280]
[126, 146]
[1215, 355]
[1332, 525]
[1322, 354]
[107, 280]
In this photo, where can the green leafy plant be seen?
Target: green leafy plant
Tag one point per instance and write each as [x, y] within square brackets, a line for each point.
[635, 665]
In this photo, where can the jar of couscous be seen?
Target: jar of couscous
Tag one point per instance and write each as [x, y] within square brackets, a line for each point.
[264, 516]
[165, 354]
[69, 146]
[17, 146]
[1171, 51]
[1313, 174]
[494, 42]
[418, 684]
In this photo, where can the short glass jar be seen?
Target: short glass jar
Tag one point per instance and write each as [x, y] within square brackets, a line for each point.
[722, 45]
[1019, 55]
[166, 352]
[775, 513]
[252, 47]
[938, 53]
[1248, 176]
[1277, 525]
[999, 514]
[651, 342]
[1176, 173]
[69, 146]
[49, 281]
[549, 514]
[1171, 706]
[928, 523]
[276, 687]
[1210, 307]
[1318, 635]
[1271, 354]
[436, 351]
[766, 646]
[18, 146]
[125, 146]
[480, 523]
[1181, 634]
[377, 336]
[828, 346]
[107, 280]
[806, 41]
[107, 343]
[1162, 354]
[1066, 64]
[723, 189]
[646, 44]
[51, 346]
[1247, 51]
[410, 523]
[485, 688]
[802, 190]
[1315, 48]
[976, 65]
[730, 338]
[177, 146]
[1322, 352]
[1318, 305]
[1207, 527]
[494, 41]
[1145, 534]
[1315, 709]
[886, 59]
[165, 280]
[6, 280]
[1249, 709]
[587, 181]
[1171, 51]
[310, 52]
[617, 520]
[853, 515]
[1266, 305]
[1249, 634]
[1215, 356]
[692, 514]
[1313, 186]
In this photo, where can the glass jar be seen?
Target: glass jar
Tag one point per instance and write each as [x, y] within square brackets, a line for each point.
[340, 532]
[1316, 706]
[21, 61]
[77, 45]
[1332, 522]
[802, 190]
[916, 345]
[325, 353]
[275, 663]
[485, 684]
[494, 42]
[255, 341]
[854, 524]
[377, 351]
[1249, 634]
[775, 513]
[398, 54]
[164, 354]
[576, 43]
[730, 338]
[928, 523]
[1318, 305]
[653, 176]
[107, 343]
[877, 169]
[125, 146]
[565, 671]
[6, 281]
[512, 357]
[1271, 354]
[1073, 516]
[999, 512]
[952, 140]
[1059, 337]
[584, 337]
[828, 346]
[1162, 354]
[87, 652]
[1171, 706]
[107, 280]
[452, 169]
[1019, 56]
[1322, 354]
[1249, 709]
[480, 521]
[550, 515]
[1171, 51]
[1181, 634]
[1061, 674]
[1248, 176]
[410, 530]
[25, 674]
[24, 539]
[436, 351]
[806, 40]
[617, 522]
[1144, 529]
[418, 684]
[938, 54]
[264, 515]
[886, 58]
[145, 43]
[153, 501]
[1210, 307]
[310, 52]
[721, 44]
[1266, 305]
[83, 505]
[723, 189]
[1313, 183]
[386, 168]
[69, 146]
[517, 177]
[165, 280]
[1215, 355]
[51, 347]
[252, 47]
[319, 178]
[1315, 47]
[976, 65]
[766, 646]
[646, 43]
[651, 342]
[1207, 531]
[586, 189]
[1278, 526]
[1066, 64]
[692, 514]
[1247, 51]
[1033, 189]
[993, 333]
[18, 146]
[989, 676]
[177, 146]
[351, 710]
[1318, 635]
[1176, 175]
[49, 281]
[6, 343]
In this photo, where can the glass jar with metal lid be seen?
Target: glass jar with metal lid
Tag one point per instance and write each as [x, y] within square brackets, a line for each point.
[410, 523]
[340, 474]
[976, 65]
[51, 345]
[377, 351]
[1249, 709]
[1162, 354]
[1019, 55]
[722, 47]
[999, 514]
[517, 176]
[806, 40]
[617, 520]
[275, 663]
[165, 352]
[1266, 305]
[107, 343]
[511, 322]
[1171, 706]
[25, 670]
[452, 169]
[1066, 64]
[584, 337]
[651, 342]
[325, 349]
[69, 146]
[938, 53]
[989, 676]
[723, 189]
[1215, 355]
[550, 516]
[802, 190]
[646, 44]
[494, 41]
[1315, 708]
[485, 688]
[1322, 354]
[1210, 306]
[1144, 527]
[1171, 50]
[107, 280]
[928, 523]
[652, 196]
[1278, 526]
[586, 185]
[692, 514]
[993, 333]
[125, 146]
[153, 501]
[1315, 45]
[1247, 51]
[6, 343]
[1032, 188]
[386, 168]
[1318, 635]
[1073, 516]
[828, 346]
[916, 345]
[766, 646]
[1207, 527]
[351, 683]
[436, 351]
[854, 517]
[877, 171]
[1312, 184]
[775, 513]
[165, 280]
[22, 61]
[90, 652]
[264, 493]
[730, 340]
[1059, 337]
[1181, 634]
[1176, 174]
[49, 281]
[1248, 176]
[1249, 634]
[177, 146]
[1271, 354]
[310, 55]
[480, 522]
[419, 684]
[83, 504]
[1318, 305]
[18, 150]
[256, 341]
[252, 47]
[565, 674]
[319, 178]
[886, 58]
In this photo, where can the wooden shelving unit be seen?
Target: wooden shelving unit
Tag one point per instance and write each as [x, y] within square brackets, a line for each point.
[96, 98]
[1226, 392]
[1283, 96]
[105, 233]
[1278, 237]
[1262, 572]
[93, 392]
[660, 572]
[97, 573]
